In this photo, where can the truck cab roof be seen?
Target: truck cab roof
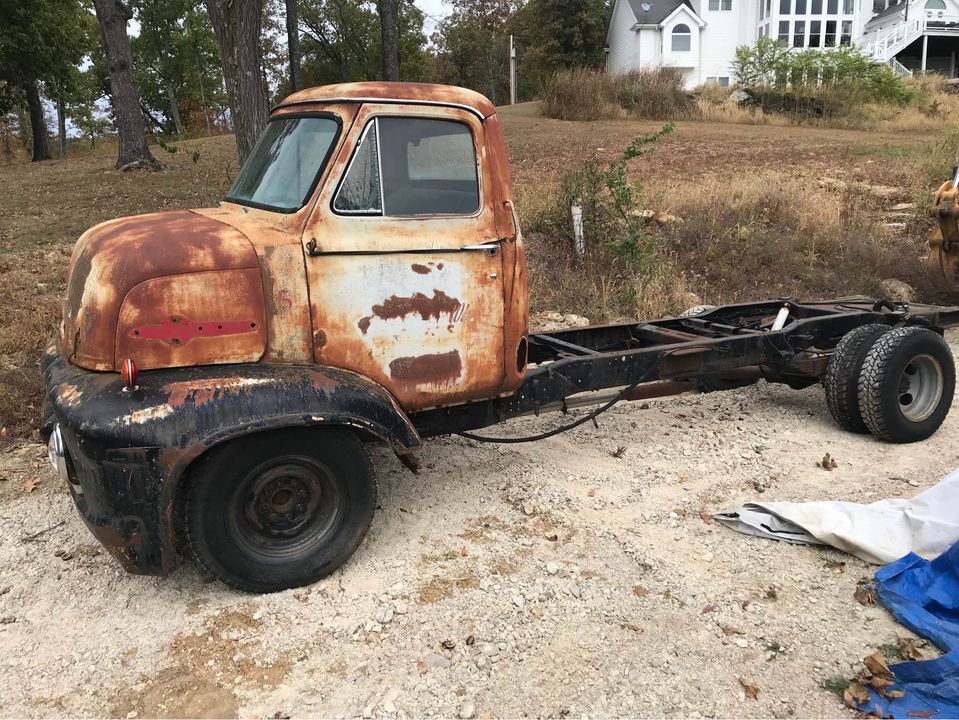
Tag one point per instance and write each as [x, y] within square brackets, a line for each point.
[407, 93]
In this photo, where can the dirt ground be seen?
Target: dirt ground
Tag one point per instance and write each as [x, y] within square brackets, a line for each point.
[551, 579]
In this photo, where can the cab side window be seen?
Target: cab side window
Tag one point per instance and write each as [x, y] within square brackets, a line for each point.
[405, 167]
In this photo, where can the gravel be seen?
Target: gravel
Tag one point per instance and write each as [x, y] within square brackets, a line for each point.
[546, 579]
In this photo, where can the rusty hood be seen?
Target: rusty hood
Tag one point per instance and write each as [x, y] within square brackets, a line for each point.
[143, 286]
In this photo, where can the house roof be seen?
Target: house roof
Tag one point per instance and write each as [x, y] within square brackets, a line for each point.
[653, 12]
[891, 10]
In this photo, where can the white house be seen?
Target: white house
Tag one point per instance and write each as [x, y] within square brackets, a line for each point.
[700, 37]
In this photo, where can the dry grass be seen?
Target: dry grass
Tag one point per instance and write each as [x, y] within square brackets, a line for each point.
[584, 94]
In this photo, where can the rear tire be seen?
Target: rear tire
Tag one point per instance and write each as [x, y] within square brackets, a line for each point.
[281, 509]
[906, 386]
[841, 381]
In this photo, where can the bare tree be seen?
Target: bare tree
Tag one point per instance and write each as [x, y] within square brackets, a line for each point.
[293, 43]
[124, 96]
[388, 11]
[237, 24]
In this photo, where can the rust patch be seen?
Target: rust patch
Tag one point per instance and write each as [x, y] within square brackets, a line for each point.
[438, 368]
[364, 324]
[319, 338]
[180, 392]
[433, 308]
[421, 269]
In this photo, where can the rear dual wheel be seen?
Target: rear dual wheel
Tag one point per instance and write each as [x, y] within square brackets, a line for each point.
[281, 509]
[897, 383]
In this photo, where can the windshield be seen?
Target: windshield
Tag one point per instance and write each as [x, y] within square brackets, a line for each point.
[285, 164]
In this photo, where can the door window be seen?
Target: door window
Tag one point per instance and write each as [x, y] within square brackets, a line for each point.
[405, 167]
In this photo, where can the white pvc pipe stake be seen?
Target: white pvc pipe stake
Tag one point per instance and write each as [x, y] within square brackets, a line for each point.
[579, 242]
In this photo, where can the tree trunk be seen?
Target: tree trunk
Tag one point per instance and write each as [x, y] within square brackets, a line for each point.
[125, 98]
[388, 10]
[62, 126]
[237, 27]
[174, 110]
[293, 42]
[38, 123]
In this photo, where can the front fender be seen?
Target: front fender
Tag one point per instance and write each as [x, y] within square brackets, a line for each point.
[129, 449]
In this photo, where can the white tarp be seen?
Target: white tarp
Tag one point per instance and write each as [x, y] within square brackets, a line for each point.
[879, 533]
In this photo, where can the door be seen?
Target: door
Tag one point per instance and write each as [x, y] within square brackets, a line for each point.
[404, 264]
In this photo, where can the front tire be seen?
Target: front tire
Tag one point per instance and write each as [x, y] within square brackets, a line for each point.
[280, 509]
[906, 385]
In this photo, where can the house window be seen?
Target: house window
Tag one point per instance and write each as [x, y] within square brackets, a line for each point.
[799, 34]
[816, 7]
[846, 35]
[762, 14]
[783, 31]
[830, 33]
[848, 7]
[785, 6]
[815, 33]
[681, 39]
[406, 167]
[769, 7]
[832, 7]
[935, 5]
[800, 7]
[723, 5]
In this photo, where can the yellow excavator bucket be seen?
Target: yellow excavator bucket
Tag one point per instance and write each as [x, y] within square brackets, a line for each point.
[944, 244]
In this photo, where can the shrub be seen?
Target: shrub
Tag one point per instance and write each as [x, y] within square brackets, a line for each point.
[585, 94]
[580, 94]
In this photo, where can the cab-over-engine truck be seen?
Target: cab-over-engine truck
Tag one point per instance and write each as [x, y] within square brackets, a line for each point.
[218, 371]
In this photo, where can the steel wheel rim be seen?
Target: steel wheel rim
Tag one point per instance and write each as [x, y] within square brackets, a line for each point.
[920, 388]
[285, 507]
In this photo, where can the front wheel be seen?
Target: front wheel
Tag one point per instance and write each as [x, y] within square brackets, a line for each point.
[906, 385]
[281, 509]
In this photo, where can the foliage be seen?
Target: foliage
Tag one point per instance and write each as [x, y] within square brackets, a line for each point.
[815, 82]
[582, 94]
[569, 33]
[177, 63]
[611, 204]
[472, 47]
[41, 42]
[341, 41]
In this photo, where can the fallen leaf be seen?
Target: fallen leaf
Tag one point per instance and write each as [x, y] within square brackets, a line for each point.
[866, 595]
[752, 692]
[684, 478]
[640, 591]
[730, 630]
[855, 695]
[708, 609]
[635, 628]
[877, 665]
[892, 694]
[552, 538]
[922, 713]
[591, 492]
[470, 640]
[771, 594]
[421, 666]
[618, 452]
[448, 644]
[828, 462]
[464, 552]
[30, 484]
[706, 518]
[909, 647]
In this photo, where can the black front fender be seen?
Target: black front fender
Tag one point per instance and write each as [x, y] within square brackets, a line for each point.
[129, 449]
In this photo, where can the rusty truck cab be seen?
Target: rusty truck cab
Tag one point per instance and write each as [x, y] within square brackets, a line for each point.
[366, 264]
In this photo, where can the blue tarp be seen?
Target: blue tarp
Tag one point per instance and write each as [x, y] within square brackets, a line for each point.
[924, 596]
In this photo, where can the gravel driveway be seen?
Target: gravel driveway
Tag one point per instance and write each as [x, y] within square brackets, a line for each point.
[577, 576]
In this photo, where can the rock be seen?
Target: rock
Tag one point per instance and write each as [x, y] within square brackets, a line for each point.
[467, 711]
[903, 207]
[738, 97]
[740, 642]
[575, 591]
[897, 290]
[434, 660]
[384, 614]
[552, 567]
[518, 601]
